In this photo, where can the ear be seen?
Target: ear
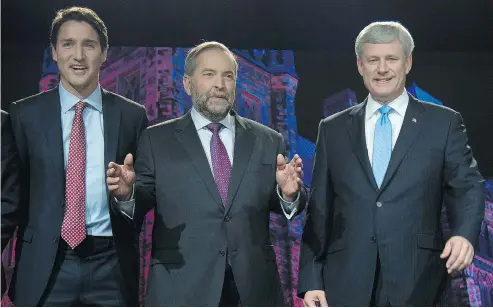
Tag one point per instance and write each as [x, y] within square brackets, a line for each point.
[104, 56]
[187, 84]
[360, 66]
[53, 53]
[409, 64]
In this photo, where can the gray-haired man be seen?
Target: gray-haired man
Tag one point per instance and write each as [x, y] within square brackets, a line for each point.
[382, 171]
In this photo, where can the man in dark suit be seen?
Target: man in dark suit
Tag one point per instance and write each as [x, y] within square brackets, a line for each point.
[10, 180]
[211, 176]
[382, 171]
[74, 248]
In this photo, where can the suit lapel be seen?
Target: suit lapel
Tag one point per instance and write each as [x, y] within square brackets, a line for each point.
[50, 112]
[111, 120]
[187, 135]
[356, 129]
[244, 143]
[411, 126]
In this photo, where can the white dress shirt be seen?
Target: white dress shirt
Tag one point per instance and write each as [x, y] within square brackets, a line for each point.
[396, 117]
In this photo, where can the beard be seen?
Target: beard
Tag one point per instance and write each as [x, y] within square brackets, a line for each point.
[214, 105]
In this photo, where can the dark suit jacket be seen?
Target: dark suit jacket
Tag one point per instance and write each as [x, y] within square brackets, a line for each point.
[350, 221]
[193, 232]
[37, 129]
[10, 179]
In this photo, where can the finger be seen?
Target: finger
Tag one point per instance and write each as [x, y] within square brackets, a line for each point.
[323, 301]
[129, 161]
[110, 171]
[281, 162]
[112, 181]
[446, 250]
[299, 162]
[469, 257]
[112, 165]
[454, 254]
[113, 187]
[461, 258]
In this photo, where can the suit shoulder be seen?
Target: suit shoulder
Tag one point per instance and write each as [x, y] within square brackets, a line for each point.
[163, 127]
[438, 109]
[259, 127]
[26, 102]
[339, 116]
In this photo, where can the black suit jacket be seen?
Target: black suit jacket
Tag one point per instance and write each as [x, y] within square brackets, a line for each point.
[351, 221]
[36, 123]
[193, 231]
[10, 178]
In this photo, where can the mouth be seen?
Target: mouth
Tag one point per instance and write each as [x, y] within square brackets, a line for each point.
[383, 80]
[219, 96]
[78, 69]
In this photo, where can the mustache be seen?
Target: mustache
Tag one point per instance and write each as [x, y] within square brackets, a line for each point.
[218, 95]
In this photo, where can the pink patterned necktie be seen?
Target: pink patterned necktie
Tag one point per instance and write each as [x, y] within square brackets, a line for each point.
[220, 161]
[74, 220]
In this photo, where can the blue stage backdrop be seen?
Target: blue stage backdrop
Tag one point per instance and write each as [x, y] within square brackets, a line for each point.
[266, 92]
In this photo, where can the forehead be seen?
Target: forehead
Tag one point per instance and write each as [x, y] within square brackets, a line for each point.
[215, 59]
[73, 29]
[383, 49]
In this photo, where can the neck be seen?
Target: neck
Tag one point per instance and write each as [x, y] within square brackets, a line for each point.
[80, 92]
[386, 100]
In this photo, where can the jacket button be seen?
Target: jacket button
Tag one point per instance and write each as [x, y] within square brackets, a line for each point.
[227, 218]
[373, 239]
[379, 204]
[222, 253]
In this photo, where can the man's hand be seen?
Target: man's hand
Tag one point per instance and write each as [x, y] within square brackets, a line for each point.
[289, 176]
[312, 297]
[459, 252]
[121, 178]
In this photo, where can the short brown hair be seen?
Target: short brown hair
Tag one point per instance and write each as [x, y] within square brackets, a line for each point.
[79, 14]
[191, 59]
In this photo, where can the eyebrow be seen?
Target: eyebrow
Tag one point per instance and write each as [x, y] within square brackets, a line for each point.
[84, 41]
[212, 70]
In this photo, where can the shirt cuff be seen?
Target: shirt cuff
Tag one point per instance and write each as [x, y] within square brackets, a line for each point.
[289, 208]
[127, 207]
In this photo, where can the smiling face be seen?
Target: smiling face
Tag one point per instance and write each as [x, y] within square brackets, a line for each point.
[384, 68]
[79, 55]
[212, 85]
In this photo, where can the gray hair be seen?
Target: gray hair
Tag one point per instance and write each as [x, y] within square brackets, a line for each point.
[191, 58]
[384, 32]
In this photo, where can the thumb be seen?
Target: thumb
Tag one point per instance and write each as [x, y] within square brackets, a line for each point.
[446, 250]
[129, 161]
[281, 161]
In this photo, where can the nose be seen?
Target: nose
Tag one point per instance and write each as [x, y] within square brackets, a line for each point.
[382, 67]
[219, 82]
[79, 53]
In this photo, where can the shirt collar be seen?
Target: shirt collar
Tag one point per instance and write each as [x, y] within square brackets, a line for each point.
[399, 105]
[200, 121]
[68, 100]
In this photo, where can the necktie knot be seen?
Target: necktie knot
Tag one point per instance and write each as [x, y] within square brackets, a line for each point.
[385, 110]
[79, 108]
[215, 127]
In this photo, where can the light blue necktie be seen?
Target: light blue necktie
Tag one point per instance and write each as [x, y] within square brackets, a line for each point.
[382, 145]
